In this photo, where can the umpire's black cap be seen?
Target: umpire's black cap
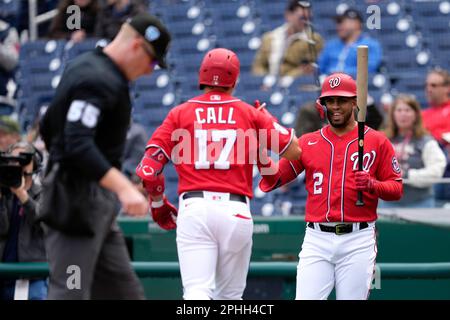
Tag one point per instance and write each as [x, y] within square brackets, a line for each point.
[349, 14]
[154, 32]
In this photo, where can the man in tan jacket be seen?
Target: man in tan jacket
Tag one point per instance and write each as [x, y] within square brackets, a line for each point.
[288, 49]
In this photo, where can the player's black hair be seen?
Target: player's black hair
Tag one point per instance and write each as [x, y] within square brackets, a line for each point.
[294, 4]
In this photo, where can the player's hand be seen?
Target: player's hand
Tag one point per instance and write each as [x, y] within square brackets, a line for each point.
[266, 166]
[133, 202]
[364, 182]
[263, 109]
[156, 187]
[164, 214]
[20, 192]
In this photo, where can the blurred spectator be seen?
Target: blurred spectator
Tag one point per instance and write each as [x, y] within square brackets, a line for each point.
[419, 155]
[136, 142]
[339, 54]
[89, 14]
[436, 120]
[9, 132]
[374, 117]
[114, 13]
[287, 50]
[308, 119]
[21, 239]
[9, 55]
[437, 117]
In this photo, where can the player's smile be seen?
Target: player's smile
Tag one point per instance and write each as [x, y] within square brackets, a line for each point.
[339, 110]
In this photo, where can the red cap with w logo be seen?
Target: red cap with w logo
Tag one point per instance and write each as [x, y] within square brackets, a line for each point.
[338, 85]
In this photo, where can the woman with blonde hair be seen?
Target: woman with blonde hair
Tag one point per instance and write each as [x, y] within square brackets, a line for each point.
[418, 153]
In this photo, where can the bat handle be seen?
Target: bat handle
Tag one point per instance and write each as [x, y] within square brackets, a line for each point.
[360, 201]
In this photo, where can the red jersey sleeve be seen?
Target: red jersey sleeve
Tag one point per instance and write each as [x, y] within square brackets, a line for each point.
[273, 135]
[287, 171]
[389, 184]
[389, 168]
[162, 137]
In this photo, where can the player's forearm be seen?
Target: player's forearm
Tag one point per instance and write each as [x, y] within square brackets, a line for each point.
[293, 151]
[286, 173]
[390, 190]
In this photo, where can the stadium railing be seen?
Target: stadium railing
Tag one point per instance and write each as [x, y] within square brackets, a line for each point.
[437, 270]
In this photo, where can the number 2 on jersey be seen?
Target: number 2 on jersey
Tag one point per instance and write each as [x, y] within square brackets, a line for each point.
[222, 162]
[318, 180]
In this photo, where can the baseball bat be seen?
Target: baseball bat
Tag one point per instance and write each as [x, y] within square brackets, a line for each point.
[361, 101]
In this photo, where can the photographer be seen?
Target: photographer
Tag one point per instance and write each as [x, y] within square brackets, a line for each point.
[21, 239]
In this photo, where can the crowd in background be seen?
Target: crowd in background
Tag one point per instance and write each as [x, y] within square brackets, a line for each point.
[292, 49]
[420, 134]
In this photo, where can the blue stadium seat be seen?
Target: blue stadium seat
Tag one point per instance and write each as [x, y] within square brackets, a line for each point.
[304, 83]
[30, 108]
[393, 41]
[401, 61]
[170, 173]
[422, 9]
[38, 66]
[248, 82]
[74, 50]
[157, 80]
[434, 25]
[182, 28]
[225, 11]
[9, 11]
[300, 98]
[411, 83]
[40, 48]
[178, 12]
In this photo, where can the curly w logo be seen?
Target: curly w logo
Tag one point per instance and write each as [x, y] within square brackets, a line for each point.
[334, 82]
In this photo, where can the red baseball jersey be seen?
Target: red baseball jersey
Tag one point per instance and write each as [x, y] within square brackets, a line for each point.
[213, 142]
[329, 161]
[436, 121]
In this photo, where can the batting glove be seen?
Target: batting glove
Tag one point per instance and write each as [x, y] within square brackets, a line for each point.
[164, 214]
[155, 188]
[364, 182]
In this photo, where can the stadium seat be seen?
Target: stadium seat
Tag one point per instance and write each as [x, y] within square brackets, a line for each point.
[74, 50]
[9, 11]
[40, 48]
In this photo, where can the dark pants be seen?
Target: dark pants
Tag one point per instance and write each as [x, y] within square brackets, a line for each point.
[97, 267]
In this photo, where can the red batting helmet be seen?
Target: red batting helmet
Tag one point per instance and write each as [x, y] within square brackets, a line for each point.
[338, 85]
[220, 67]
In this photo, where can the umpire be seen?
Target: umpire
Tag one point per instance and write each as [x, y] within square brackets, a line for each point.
[84, 130]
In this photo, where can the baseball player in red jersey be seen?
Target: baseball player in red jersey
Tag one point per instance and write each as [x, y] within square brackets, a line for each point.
[212, 140]
[339, 248]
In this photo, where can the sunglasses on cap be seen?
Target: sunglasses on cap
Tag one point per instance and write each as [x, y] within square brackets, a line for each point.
[151, 54]
[304, 4]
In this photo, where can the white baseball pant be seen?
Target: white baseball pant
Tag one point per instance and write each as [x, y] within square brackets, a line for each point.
[214, 241]
[346, 262]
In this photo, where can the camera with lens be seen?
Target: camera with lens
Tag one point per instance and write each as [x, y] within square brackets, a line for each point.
[11, 168]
